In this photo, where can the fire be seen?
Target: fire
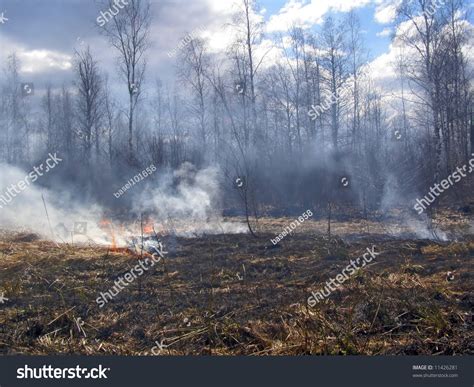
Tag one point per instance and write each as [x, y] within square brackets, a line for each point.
[148, 227]
[107, 226]
[122, 235]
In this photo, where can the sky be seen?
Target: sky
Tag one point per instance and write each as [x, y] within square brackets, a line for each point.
[282, 12]
[45, 33]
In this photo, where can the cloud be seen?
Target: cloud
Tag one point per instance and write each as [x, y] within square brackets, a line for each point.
[36, 61]
[305, 14]
[384, 77]
[385, 12]
[382, 69]
[386, 32]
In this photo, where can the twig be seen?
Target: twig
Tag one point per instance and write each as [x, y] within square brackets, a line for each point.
[49, 222]
[62, 314]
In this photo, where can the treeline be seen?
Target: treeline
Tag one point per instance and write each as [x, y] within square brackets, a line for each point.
[370, 146]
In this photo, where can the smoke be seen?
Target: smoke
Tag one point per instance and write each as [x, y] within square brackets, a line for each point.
[189, 201]
[53, 218]
[391, 196]
[395, 197]
[422, 231]
[185, 203]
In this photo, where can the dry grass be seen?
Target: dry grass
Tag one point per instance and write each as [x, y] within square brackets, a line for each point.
[236, 295]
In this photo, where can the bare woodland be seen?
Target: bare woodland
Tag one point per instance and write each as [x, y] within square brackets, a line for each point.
[239, 123]
[264, 133]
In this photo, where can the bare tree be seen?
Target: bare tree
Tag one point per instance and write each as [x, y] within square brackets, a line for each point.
[335, 64]
[355, 52]
[89, 103]
[247, 62]
[110, 116]
[67, 120]
[194, 65]
[48, 107]
[15, 125]
[128, 33]
[424, 37]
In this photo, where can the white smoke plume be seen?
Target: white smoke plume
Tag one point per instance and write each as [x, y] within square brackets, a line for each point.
[188, 202]
[185, 203]
[26, 210]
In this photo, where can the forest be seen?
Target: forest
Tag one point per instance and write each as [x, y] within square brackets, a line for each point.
[210, 170]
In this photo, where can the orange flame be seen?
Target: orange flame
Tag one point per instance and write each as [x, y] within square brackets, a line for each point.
[107, 226]
[148, 228]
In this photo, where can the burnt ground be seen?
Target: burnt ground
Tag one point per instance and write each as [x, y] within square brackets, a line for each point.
[237, 295]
